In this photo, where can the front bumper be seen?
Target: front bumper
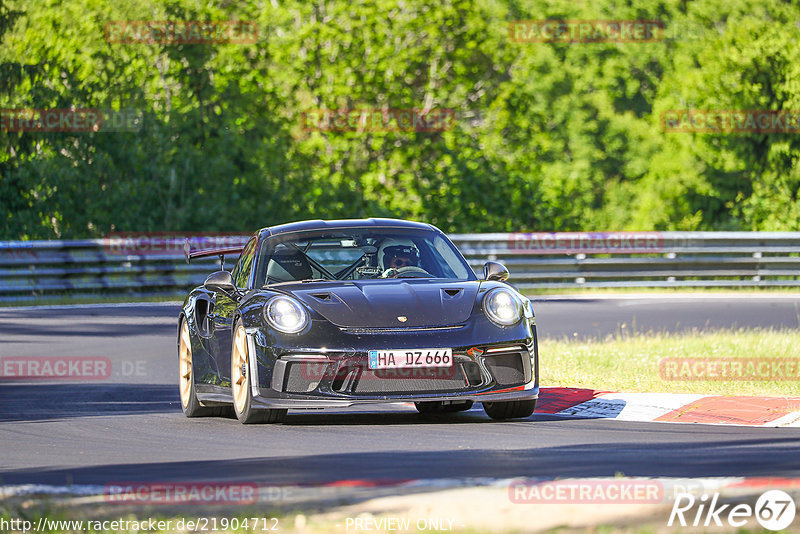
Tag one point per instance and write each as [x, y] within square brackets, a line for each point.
[503, 366]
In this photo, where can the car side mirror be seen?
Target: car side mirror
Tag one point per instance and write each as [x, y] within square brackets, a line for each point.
[221, 281]
[493, 270]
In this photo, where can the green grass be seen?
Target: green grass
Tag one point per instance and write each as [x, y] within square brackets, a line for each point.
[630, 361]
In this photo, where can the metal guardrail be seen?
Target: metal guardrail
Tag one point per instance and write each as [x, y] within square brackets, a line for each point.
[640, 259]
[36, 270]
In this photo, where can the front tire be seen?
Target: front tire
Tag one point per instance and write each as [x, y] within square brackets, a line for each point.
[510, 409]
[240, 384]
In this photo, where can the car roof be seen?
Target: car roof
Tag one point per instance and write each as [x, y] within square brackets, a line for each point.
[319, 224]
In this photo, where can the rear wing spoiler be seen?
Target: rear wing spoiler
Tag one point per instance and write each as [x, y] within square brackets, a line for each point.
[204, 253]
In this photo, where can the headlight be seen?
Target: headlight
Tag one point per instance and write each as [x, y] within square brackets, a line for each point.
[502, 307]
[285, 314]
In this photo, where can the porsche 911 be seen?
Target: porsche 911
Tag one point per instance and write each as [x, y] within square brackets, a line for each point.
[327, 314]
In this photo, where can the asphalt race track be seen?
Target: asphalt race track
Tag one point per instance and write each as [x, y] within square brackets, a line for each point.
[129, 427]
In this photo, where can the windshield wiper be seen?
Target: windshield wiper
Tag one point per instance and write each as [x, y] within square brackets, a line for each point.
[314, 280]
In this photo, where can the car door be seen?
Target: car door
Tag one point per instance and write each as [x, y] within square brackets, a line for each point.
[225, 311]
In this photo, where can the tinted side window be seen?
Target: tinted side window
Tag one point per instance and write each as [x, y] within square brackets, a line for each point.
[242, 271]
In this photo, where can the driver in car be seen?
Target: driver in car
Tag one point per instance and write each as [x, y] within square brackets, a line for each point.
[403, 257]
[396, 255]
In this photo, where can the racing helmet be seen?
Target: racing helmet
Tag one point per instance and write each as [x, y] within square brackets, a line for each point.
[397, 253]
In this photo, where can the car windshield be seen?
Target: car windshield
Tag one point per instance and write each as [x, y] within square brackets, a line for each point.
[356, 254]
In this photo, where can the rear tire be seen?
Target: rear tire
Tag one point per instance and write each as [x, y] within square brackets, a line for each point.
[189, 403]
[510, 409]
[240, 384]
[438, 407]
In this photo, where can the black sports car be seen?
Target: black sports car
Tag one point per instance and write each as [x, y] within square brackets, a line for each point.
[321, 314]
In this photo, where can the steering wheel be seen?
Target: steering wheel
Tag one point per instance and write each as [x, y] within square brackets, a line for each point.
[409, 271]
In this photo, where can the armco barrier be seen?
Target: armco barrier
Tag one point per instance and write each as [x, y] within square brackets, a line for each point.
[36, 270]
[640, 259]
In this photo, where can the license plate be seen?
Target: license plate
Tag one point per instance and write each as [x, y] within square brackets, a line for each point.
[409, 358]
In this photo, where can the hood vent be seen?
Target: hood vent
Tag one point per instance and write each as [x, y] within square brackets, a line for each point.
[378, 303]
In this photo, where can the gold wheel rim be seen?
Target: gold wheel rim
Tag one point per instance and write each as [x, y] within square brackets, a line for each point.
[185, 364]
[239, 381]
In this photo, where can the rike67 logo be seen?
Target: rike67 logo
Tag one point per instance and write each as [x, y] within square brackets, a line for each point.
[774, 510]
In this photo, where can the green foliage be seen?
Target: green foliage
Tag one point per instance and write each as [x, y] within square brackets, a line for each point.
[546, 136]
